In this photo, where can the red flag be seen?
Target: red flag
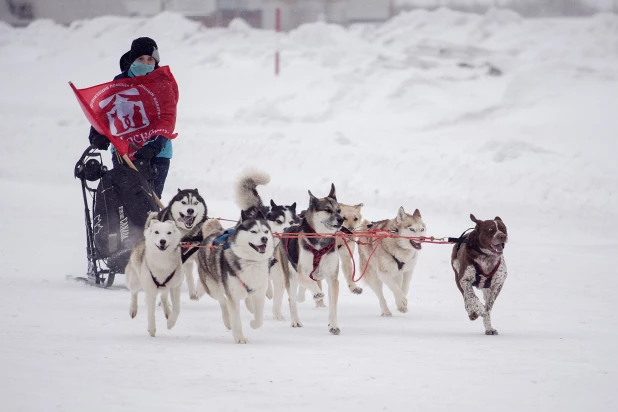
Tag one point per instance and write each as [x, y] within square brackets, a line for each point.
[131, 111]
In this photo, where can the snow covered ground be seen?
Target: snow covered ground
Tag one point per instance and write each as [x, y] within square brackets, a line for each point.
[406, 113]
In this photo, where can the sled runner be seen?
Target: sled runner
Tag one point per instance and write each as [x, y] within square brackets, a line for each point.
[115, 214]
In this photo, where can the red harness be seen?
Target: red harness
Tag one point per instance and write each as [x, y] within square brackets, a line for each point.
[483, 277]
[317, 255]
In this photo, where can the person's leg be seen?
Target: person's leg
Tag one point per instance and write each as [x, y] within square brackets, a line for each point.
[163, 165]
[114, 160]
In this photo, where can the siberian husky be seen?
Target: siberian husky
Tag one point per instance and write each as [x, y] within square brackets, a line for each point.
[188, 210]
[155, 266]
[306, 260]
[352, 218]
[236, 267]
[394, 260]
[479, 262]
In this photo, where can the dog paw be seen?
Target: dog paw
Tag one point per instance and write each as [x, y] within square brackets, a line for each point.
[297, 324]
[171, 323]
[387, 313]
[255, 324]
[334, 331]
[152, 331]
[402, 304]
[132, 312]
[318, 296]
[300, 297]
[278, 317]
[269, 294]
[241, 340]
[194, 296]
[356, 290]
[473, 316]
[402, 309]
[491, 332]
[320, 303]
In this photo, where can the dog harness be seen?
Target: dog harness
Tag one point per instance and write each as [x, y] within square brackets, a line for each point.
[293, 252]
[223, 239]
[483, 280]
[399, 262]
[193, 243]
[161, 285]
[244, 285]
[318, 254]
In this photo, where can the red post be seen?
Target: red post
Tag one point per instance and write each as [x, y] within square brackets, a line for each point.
[277, 30]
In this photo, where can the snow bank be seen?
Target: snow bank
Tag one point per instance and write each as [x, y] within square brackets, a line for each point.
[447, 111]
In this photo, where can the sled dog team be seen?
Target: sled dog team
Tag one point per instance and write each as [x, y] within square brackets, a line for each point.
[246, 263]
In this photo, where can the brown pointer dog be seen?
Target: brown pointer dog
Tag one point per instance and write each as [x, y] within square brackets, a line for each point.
[479, 262]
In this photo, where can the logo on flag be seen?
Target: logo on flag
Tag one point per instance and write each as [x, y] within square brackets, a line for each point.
[125, 112]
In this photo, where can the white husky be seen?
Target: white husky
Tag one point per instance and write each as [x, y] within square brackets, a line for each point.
[156, 266]
[393, 260]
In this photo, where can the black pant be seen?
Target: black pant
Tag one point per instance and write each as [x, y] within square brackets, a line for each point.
[162, 166]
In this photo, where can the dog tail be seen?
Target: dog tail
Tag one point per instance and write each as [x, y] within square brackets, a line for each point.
[247, 195]
[211, 226]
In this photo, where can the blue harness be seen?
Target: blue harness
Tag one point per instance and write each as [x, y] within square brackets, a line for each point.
[223, 239]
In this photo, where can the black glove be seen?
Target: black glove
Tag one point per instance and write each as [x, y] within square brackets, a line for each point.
[146, 169]
[100, 142]
[146, 153]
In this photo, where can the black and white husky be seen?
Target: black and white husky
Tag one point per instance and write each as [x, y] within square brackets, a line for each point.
[189, 211]
[234, 264]
[306, 260]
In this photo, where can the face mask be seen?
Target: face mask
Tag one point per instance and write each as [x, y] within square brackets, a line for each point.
[140, 69]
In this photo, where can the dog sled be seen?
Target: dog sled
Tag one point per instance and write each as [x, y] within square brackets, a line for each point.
[116, 206]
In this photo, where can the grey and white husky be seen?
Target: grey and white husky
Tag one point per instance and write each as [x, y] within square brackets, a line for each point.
[394, 259]
[155, 266]
[307, 259]
[352, 218]
[189, 211]
[233, 264]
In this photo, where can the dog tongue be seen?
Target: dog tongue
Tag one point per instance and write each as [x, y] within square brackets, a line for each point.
[499, 247]
[186, 219]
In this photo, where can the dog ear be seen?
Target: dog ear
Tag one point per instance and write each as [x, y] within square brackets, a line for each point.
[293, 206]
[179, 190]
[358, 206]
[260, 215]
[474, 219]
[498, 218]
[332, 193]
[196, 191]
[244, 216]
[272, 204]
[401, 214]
[154, 219]
[417, 213]
[312, 199]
